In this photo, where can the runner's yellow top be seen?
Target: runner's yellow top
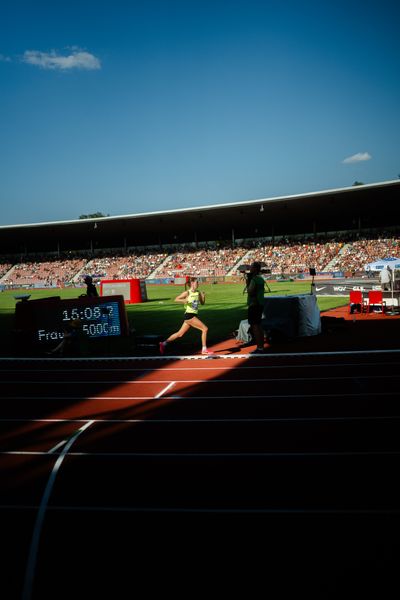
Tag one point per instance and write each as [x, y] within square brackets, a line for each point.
[192, 303]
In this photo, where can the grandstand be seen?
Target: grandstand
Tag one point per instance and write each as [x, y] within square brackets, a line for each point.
[332, 231]
[288, 258]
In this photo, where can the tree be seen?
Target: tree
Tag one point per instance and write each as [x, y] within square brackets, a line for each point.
[97, 215]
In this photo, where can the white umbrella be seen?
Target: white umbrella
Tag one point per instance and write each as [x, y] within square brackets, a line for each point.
[379, 265]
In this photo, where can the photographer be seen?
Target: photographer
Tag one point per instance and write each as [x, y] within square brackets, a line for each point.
[255, 302]
[91, 290]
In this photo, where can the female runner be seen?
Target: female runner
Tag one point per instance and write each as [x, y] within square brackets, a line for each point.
[191, 298]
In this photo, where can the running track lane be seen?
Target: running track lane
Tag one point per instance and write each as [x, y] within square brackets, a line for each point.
[293, 436]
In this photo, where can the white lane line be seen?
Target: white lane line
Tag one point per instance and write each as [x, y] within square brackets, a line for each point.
[219, 397]
[305, 395]
[267, 355]
[200, 509]
[222, 368]
[203, 381]
[56, 447]
[31, 564]
[82, 398]
[178, 455]
[211, 420]
[95, 359]
[168, 387]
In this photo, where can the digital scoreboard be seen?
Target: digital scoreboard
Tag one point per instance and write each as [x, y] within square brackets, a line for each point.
[46, 319]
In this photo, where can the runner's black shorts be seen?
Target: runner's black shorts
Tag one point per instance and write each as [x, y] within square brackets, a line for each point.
[188, 316]
[254, 314]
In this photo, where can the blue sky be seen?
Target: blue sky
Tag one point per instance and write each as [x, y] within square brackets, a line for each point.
[134, 106]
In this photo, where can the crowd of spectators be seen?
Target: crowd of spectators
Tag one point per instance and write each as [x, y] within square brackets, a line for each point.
[283, 257]
[137, 265]
[356, 255]
[294, 257]
[203, 262]
[5, 266]
[50, 273]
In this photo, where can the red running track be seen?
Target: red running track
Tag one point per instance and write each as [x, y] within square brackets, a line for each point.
[105, 452]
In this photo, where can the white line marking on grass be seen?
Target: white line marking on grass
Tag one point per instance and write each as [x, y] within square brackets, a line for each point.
[31, 564]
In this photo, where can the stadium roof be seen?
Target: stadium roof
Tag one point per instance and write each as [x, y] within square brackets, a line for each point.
[367, 206]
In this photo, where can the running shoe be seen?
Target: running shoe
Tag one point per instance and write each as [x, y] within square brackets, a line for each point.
[258, 351]
[207, 352]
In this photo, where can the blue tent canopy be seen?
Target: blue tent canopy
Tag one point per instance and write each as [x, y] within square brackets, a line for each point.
[379, 265]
